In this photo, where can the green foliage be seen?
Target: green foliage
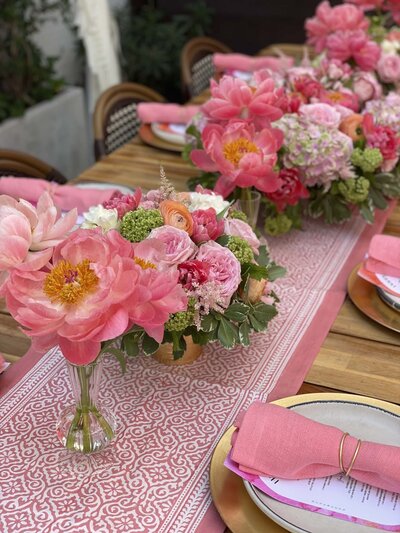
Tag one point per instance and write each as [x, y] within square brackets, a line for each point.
[27, 76]
[151, 43]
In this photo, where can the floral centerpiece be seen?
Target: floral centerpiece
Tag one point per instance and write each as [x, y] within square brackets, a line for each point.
[143, 270]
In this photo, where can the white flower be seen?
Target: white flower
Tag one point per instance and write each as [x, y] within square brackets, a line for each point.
[204, 201]
[390, 47]
[100, 217]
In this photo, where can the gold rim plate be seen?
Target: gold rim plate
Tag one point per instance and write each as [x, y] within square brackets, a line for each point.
[148, 137]
[229, 494]
[366, 298]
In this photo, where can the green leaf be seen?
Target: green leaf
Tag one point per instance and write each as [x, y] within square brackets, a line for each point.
[244, 332]
[256, 324]
[178, 345]
[389, 184]
[223, 240]
[209, 323]
[130, 344]
[149, 345]
[263, 257]
[275, 272]
[367, 212]
[264, 312]
[200, 337]
[377, 198]
[228, 333]
[255, 271]
[237, 312]
[119, 355]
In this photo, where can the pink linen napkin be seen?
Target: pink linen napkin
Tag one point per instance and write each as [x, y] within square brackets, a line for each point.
[178, 114]
[279, 442]
[249, 63]
[384, 256]
[65, 197]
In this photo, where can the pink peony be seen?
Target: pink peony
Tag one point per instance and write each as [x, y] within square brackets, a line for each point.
[337, 99]
[366, 86]
[367, 5]
[28, 234]
[193, 273]
[225, 269]
[239, 228]
[389, 68]
[124, 202]
[232, 98]
[243, 157]
[329, 19]
[323, 114]
[291, 190]
[179, 246]
[206, 226]
[346, 45]
[385, 139]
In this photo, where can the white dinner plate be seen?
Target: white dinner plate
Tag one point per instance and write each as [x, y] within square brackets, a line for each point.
[105, 186]
[173, 133]
[390, 299]
[364, 421]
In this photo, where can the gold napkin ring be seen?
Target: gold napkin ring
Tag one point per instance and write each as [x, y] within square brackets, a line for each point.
[353, 459]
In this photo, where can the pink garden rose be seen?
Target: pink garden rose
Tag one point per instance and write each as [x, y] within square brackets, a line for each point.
[366, 86]
[346, 45]
[307, 86]
[179, 246]
[28, 234]
[225, 269]
[124, 202]
[389, 68]
[193, 273]
[291, 190]
[244, 157]
[239, 228]
[233, 98]
[206, 225]
[323, 114]
[328, 20]
[385, 139]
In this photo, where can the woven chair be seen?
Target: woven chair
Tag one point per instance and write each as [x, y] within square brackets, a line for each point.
[296, 51]
[197, 67]
[19, 164]
[115, 120]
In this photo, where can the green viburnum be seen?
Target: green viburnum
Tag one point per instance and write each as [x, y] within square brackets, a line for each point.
[181, 320]
[241, 249]
[278, 225]
[368, 160]
[354, 190]
[136, 225]
[234, 213]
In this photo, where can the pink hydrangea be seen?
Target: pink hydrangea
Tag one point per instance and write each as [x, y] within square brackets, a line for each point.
[124, 202]
[225, 269]
[328, 20]
[244, 157]
[179, 246]
[206, 225]
[239, 228]
[346, 45]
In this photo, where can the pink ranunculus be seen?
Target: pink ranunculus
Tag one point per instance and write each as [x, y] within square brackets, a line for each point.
[346, 45]
[179, 246]
[28, 234]
[366, 86]
[239, 228]
[206, 225]
[124, 202]
[224, 268]
[389, 68]
[291, 190]
[323, 114]
[233, 98]
[244, 157]
[193, 273]
[329, 19]
[385, 139]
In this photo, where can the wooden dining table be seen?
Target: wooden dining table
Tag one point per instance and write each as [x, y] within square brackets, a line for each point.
[358, 355]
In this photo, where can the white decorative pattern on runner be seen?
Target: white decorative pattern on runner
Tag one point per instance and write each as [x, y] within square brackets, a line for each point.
[155, 477]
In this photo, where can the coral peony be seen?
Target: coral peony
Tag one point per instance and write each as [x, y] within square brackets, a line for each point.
[347, 45]
[177, 215]
[243, 157]
[193, 273]
[206, 225]
[291, 190]
[239, 228]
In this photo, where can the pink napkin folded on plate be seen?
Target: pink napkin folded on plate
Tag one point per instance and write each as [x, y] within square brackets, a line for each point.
[66, 197]
[249, 63]
[274, 441]
[149, 112]
[384, 256]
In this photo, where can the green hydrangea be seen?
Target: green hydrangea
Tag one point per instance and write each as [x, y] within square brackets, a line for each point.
[368, 160]
[241, 249]
[180, 321]
[234, 213]
[354, 190]
[136, 225]
[277, 225]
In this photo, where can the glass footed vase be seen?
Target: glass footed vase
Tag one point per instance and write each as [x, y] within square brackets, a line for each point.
[249, 203]
[86, 426]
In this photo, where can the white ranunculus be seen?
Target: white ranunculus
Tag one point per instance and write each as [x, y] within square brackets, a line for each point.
[204, 201]
[100, 217]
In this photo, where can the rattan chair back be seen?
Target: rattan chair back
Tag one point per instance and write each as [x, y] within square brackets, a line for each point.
[20, 164]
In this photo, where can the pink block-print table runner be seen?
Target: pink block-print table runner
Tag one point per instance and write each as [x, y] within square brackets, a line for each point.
[155, 477]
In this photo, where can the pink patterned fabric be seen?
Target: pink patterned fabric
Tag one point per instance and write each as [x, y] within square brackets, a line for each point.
[274, 441]
[384, 255]
[66, 197]
[178, 114]
[154, 479]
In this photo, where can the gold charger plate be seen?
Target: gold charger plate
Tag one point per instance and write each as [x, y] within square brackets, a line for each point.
[365, 297]
[229, 494]
[148, 137]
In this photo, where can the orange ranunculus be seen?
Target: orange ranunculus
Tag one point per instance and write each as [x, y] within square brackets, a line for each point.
[351, 126]
[177, 215]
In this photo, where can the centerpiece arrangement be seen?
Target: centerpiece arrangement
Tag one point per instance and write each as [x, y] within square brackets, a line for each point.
[141, 272]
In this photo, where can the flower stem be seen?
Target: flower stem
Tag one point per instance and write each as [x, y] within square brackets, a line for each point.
[84, 374]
